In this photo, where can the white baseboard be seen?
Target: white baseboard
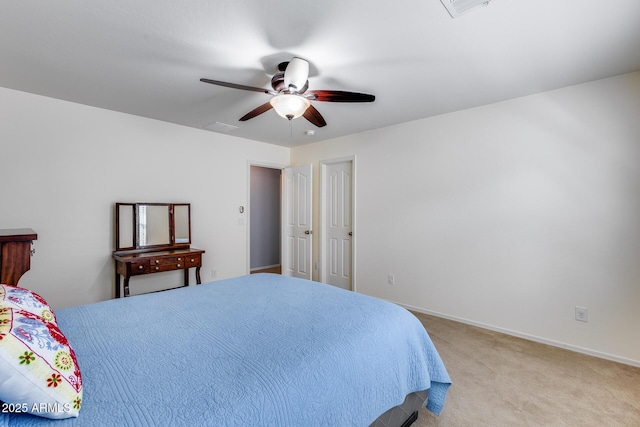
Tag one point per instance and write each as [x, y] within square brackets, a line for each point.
[529, 337]
[265, 267]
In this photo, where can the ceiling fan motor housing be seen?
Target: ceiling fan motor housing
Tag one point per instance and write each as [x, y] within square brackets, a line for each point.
[277, 81]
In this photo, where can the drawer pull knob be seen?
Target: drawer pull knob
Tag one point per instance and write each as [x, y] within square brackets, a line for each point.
[178, 265]
[157, 261]
[192, 260]
[179, 259]
[140, 267]
[157, 268]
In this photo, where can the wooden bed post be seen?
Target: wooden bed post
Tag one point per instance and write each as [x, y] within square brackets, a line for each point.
[15, 249]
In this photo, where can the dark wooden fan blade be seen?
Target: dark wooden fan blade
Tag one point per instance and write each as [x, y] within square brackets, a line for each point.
[256, 111]
[314, 116]
[237, 86]
[338, 96]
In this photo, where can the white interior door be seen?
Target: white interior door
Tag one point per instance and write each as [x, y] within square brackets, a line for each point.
[296, 228]
[338, 224]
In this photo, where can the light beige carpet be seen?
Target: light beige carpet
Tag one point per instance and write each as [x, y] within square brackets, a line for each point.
[500, 380]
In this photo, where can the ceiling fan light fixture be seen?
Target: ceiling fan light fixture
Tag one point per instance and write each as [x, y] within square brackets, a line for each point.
[289, 106]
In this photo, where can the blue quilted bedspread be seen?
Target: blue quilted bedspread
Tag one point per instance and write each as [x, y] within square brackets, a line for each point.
[259, 350]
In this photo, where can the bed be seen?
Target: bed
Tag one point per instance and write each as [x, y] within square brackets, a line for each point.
[257, 350]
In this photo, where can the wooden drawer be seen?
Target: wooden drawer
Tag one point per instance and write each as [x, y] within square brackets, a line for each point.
[166, 263]
[168, 260]
[165, 267]
[193, 260]
[139, 267]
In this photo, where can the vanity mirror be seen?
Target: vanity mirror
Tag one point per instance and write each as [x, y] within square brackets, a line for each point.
[142, 226]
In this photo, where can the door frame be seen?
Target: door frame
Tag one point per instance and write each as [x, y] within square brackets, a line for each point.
[322, 274]
[248, 202]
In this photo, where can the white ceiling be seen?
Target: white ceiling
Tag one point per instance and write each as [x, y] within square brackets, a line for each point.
[145, 57]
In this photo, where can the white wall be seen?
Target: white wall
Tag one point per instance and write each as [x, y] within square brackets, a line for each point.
[508, 215]
[64, 165]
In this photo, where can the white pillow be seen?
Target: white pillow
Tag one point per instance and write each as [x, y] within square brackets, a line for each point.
[39, 372]
[17, 297]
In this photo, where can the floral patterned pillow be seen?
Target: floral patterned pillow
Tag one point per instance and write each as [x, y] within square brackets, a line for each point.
[39, 372]
[21, 298]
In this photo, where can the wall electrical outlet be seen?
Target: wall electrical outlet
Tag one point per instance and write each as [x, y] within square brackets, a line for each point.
[391, 279]
[582, 314]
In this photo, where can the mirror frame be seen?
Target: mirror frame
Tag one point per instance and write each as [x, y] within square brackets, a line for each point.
[173, 215]
[134, 226]
[166, 208]
[131, 228]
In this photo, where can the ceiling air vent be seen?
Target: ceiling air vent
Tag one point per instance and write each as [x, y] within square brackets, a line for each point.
[460, 7]
[221, 127]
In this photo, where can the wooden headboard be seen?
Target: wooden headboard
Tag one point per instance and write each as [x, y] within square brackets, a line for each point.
[15, 253]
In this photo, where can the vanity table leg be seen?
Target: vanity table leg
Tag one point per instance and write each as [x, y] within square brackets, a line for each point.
[117, 285]
[198, 281]
[126, 286]
[186, 277]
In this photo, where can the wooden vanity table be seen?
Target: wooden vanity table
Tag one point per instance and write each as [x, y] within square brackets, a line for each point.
[136, 264]
[153, 238]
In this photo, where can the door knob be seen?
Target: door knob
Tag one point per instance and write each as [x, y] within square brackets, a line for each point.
[308, 232]
[351, 233]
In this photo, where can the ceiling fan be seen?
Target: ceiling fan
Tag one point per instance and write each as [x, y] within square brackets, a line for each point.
[290, 97]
